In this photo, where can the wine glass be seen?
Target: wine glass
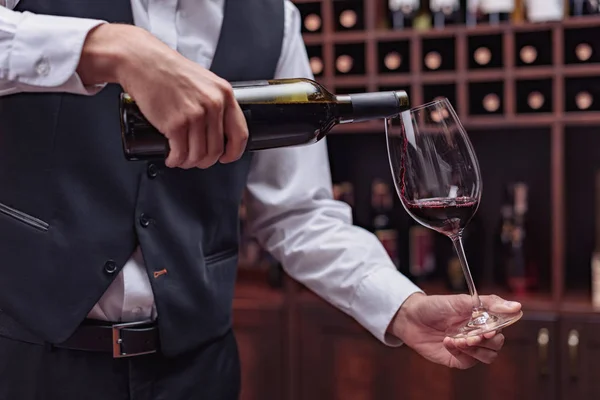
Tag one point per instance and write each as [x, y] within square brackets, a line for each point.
[437, 177]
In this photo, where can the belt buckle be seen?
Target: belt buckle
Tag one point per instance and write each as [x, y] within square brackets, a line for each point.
[118, 340]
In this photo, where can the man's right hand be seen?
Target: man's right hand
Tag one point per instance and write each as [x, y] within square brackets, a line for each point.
[195, 109]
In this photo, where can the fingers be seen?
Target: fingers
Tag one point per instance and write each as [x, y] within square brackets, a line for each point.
[459, 359]
[491, 340]
[197, 145]
[178, 146]
[214, 139]
[499, 305]
[236, 131]
[465, 355]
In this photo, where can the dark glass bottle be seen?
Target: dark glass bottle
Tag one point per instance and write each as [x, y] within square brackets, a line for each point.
[381, 209]
[403, 12]
[279, 113]
[445, 13]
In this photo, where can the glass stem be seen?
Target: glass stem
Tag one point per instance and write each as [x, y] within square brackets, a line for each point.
[458, 246]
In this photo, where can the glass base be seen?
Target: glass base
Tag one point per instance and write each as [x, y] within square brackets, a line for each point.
[482, 322]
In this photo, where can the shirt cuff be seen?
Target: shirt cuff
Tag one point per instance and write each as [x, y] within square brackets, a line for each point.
[377, 300]
[46, 51]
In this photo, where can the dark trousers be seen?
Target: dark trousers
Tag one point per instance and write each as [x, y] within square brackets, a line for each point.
[36, 372]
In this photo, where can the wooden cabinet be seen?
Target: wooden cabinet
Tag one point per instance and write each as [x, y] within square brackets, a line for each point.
[259, 328]
[525, 369]
[341, 360]
[304, 349]
[579, 357]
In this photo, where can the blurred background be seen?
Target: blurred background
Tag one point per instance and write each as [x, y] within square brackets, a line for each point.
[524, 77]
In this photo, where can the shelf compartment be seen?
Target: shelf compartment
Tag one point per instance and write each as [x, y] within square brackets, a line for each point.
[533, 48]
[582, 45]
[432, 92]
[349, 15]
[534, 96]
[485, 52]
[438, 54]
[582, 94]
[349, 59]
[315, 56]
[486, 98]
[393, 57]
[311, 16]
[581, 163]
[505, 156]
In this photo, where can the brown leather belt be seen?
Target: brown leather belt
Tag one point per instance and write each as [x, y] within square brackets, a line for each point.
[122, 340]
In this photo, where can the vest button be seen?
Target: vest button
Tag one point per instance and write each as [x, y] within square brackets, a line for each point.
[152, 171]
[144, 220]
[110, 267]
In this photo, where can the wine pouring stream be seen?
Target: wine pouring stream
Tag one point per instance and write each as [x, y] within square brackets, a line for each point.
[438, 180]
[432, 160]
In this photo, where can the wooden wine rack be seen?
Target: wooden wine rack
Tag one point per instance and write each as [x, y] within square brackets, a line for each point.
[555, 149]
[556, 71]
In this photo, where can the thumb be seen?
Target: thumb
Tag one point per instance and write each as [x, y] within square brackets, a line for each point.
[498, 304]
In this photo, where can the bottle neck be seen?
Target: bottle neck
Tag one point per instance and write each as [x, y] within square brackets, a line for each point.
[370, 106]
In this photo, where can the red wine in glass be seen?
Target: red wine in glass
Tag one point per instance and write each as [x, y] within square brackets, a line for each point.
[437, 177]
[445, 215]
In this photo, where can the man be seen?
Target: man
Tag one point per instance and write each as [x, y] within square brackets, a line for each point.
[89, 241]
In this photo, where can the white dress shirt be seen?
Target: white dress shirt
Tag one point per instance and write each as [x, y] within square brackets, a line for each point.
[290, 206]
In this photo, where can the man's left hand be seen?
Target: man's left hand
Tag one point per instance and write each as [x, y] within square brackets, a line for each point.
[422, 321]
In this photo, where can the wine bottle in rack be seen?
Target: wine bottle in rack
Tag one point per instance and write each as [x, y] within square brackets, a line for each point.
[496, 11]
[382, 206]
[310, 14]
[344, 192]
[350, 59]
[445, 12]
[582, 94]
[403, 12]
[315, 56]
[421, 251]
[596, 251]
[485, 51]
[521, 272]
[544, 10]
[584, 100]
[518, 14]
[503, 238]
[486, 98]
[534, 96]
[349, 15]
[583, 7]
[472, 12]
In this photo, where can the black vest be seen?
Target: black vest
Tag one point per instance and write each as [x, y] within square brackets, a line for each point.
[72, 209]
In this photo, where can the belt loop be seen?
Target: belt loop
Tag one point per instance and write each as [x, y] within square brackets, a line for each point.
[49, 347]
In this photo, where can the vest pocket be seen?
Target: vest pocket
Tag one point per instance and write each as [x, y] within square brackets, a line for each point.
[24, 218]
[220, 256]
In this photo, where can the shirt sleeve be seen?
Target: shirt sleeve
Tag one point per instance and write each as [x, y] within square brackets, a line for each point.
[40, 53]
[293, 215]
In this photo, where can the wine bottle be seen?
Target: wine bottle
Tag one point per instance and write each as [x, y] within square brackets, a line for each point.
[583, 100]
[445, 12]
[496, 11]
[521, 270]
[544, 10]
[421, 251]
[403, 12]
[596, 252]
[279, 113]
[472, 12]
[382, 206]
[349, 15]
[583, 7]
